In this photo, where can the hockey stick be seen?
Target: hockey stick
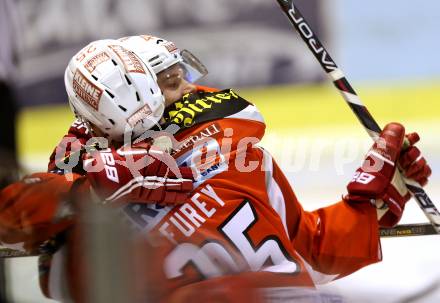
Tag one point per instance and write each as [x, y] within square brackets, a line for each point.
[12, 253]
[404, 230]
[352, 99]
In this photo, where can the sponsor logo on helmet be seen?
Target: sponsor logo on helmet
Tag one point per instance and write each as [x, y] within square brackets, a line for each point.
[170, 46]
[95, 61]
[137, 117]
[148, 37]
[86, 90]
[85, 52]
[131, 62]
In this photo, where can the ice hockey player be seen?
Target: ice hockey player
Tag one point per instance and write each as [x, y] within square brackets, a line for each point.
[242, 224]
[37, 209]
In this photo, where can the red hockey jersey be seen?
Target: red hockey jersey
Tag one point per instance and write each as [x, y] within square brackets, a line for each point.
[243, 215]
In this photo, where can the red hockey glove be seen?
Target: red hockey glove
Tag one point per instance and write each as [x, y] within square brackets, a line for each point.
[34, 210]
[78, 130]
[138, 175]
[413, 165]
[378, 181]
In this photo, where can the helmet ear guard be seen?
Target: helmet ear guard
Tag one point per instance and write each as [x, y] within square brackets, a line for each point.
[112, 88]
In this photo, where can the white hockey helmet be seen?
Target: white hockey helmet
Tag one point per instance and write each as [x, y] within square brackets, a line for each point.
[110, 87]
[161, 54]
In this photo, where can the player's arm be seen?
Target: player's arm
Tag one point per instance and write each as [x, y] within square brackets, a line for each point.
[104, 177]
[142, 175]
[342, 238]
[35, 209]
[320, 236]
[30, 209]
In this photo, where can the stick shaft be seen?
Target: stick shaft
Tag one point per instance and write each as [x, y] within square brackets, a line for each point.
[352, 99]
[12, 253]
[404, 230]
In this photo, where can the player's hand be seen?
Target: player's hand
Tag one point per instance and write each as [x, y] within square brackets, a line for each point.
[34, 210]
[379, 182]
[411, 162]
[143, 175]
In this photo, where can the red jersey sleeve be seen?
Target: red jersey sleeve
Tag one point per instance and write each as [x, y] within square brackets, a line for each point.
[335, 240]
